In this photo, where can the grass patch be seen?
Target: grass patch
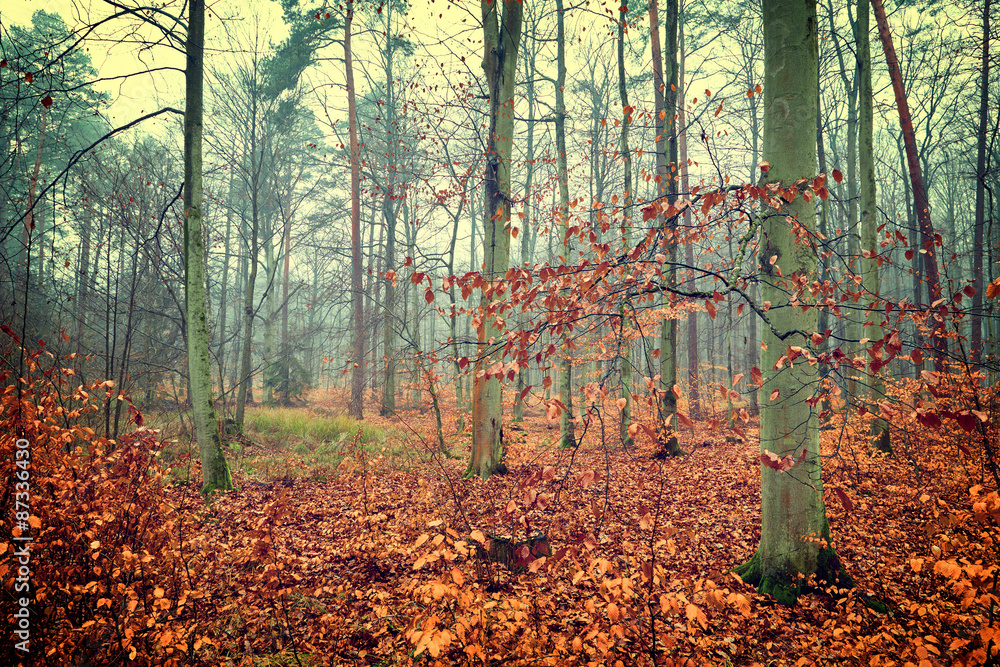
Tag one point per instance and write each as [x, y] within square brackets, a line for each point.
[285, 444]
[297, 425]
[301, 444]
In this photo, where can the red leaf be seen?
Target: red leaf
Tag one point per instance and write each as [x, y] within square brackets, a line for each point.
[970, 291]
[775, 394]
[837, 176]
[966, 421]
[28, 77]
[3, 63]
[756, 376]
[429, 296]
[10, 332]
[710, 307]
[844, 500]
[917, 356]
[47, 101]
[134, 415]
[64, 337]
[463, 362]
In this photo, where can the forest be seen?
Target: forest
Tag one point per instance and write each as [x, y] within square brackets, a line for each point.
[510, 332]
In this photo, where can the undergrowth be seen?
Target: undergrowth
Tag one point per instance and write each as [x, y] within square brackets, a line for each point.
[381, 564]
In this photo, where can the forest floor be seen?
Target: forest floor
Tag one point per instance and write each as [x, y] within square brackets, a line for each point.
[368, 558]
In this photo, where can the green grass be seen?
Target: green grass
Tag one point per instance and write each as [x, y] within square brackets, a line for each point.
[302, 444]
[288, 443]
[297, 425]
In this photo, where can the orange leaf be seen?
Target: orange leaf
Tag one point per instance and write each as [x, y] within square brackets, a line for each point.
[775, 394]
[710, 307]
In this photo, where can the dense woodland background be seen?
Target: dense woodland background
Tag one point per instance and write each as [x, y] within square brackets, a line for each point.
[363, 311]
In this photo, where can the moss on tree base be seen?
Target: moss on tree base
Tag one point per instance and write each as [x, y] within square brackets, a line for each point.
[786, 588]
[671, 447]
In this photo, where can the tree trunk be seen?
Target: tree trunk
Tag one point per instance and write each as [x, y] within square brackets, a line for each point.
[869, 221]
[500, 66]
[271, 305]
[356, 405]
[526, 226]
[664, 96]
[389, 312]
[567, 432]
[976, 339]
[215, 471]
[694, 394]
[245, 378]
[625, 334]
[793, 516]
[224, 289]
[286, 343]
[920, 203]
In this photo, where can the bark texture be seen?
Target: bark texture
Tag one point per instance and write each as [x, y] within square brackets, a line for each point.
[500, 66]
[215, 471]
[356, 406]
[794, 529]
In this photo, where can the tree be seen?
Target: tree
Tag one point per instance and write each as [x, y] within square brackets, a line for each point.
[976, 341]
[215, 470]
[356, 405]
[869, 233]
[665, 102]
[567, 434]
[501, 37]
[795, 533]
[920, 202]
[625, 341]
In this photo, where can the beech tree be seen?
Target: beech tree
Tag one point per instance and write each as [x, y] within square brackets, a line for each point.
[795, 533]
[215, 470]
[501, 38]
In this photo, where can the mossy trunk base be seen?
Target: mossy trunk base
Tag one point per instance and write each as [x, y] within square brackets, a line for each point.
[786, 588]
[668, 449]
